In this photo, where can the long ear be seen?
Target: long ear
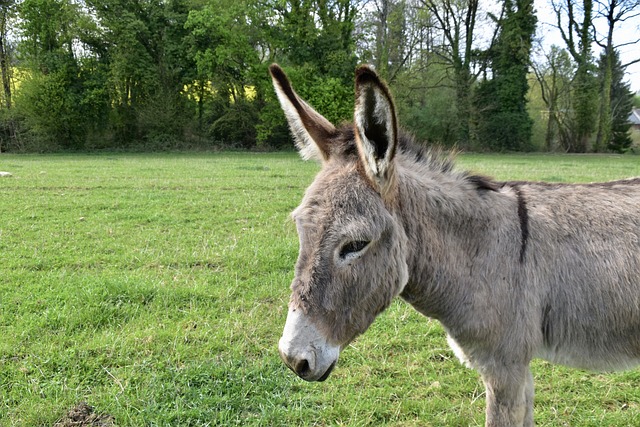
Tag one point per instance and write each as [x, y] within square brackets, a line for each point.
[376, 127]
[311, 131]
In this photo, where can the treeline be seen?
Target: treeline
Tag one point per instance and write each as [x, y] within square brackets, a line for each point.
[166, 74]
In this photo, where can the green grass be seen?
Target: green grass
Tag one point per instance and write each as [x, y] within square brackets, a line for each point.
[154, 287]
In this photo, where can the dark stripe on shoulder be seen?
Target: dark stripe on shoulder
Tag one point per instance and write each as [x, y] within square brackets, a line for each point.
[523, 215]
[547, 332]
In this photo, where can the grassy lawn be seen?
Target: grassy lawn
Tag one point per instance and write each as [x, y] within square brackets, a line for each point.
[154, 288]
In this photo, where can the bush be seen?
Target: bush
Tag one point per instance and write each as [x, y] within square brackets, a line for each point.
[162, 119]
[11, 129]
[236, 125]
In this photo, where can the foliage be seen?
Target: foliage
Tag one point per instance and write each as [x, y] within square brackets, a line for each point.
[328, 95]
[11, 129]
[320, 59]
[621, 105]
[50, 106]
[144, 51]
[576, 31]
[460, 54]
[178, 73]
[554, 78]
[224, 45]
[318, 33]
[163, 116]
[7, 15]
[53, 91]
[426, 108]
[501, 101]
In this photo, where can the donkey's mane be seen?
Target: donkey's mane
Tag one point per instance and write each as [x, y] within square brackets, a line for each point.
[434, 158]
[430, 158]
[438, 160]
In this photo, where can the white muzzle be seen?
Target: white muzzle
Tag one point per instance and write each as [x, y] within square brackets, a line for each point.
[304, 350]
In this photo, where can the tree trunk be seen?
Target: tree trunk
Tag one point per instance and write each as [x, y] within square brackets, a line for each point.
[583, 96]
[382, 48]
[604, 120]
[463, 104]
[552, 121]
[605, 114]
[5, 63]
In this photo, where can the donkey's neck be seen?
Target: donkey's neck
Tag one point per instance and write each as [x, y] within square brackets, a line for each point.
[458, 231]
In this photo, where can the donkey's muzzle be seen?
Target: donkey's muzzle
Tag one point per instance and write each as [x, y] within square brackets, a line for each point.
[326, 374]
[305, 350]
[302, 366]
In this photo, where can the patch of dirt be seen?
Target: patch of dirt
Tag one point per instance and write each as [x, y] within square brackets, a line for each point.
[82, 415]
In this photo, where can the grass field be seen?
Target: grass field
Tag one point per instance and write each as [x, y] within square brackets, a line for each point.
[154, 288]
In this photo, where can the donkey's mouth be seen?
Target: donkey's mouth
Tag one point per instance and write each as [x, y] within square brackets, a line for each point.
[326, 374]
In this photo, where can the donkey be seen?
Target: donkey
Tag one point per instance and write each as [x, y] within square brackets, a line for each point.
[512, 270]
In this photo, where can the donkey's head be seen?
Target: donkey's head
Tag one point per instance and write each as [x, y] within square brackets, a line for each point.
[352, 247]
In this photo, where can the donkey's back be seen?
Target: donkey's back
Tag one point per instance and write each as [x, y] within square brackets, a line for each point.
[583, 251]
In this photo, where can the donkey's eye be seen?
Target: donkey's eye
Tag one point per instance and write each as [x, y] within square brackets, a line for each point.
[352, 248]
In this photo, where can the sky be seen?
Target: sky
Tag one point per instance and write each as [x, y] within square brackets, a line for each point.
[628, 31]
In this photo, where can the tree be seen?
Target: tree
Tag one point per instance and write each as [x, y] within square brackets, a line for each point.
[620, 104]
[317, 33]
[53, 89]
[395, 33]
[314, 40]
[554, 77]
[223, 43]
[505, 123]
[613, 12]
[7, 123]
[143, 47]
[577, 35]
[425, 105]
[465, 51]
[123, 64]
[7, 10]
[456, 22]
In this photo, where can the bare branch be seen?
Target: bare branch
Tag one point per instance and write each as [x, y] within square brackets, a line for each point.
[635, 61]
[636, 41]
[566, 36]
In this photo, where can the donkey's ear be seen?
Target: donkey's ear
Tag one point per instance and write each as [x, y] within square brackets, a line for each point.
[311, 131]
[376, 127]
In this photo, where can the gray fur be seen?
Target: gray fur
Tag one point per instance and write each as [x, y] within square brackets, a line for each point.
[512, 270]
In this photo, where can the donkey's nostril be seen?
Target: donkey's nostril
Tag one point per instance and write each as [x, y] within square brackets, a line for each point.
[302, 367]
